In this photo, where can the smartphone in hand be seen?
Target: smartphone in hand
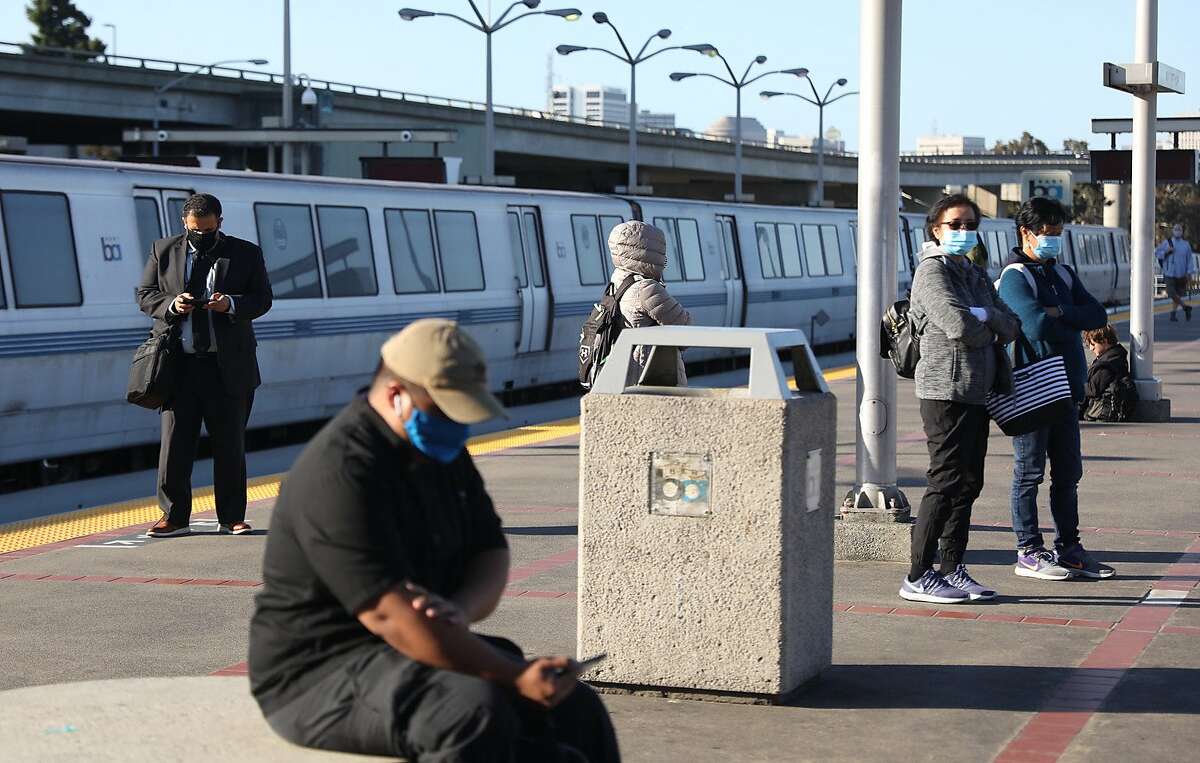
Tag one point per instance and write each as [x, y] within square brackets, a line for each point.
[586, 664]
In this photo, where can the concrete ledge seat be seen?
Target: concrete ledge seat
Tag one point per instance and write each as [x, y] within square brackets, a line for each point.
[184, 719]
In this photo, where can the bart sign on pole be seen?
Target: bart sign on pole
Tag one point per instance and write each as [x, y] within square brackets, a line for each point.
[1054, 184]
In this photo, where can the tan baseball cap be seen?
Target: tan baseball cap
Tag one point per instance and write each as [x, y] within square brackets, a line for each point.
[438, 355]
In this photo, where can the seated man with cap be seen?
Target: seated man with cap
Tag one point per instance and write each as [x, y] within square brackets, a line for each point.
[383, 548]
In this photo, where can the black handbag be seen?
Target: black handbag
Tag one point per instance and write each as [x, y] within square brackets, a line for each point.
[152, 372]
[1041, 393]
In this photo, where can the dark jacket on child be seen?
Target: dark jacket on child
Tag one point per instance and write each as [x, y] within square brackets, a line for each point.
[1111, 365]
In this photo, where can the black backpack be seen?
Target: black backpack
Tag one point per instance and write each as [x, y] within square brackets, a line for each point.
[1116, 403]
[600, 331]
[899, 340]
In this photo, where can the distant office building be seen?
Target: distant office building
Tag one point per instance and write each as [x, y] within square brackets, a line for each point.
[832, 144]
[593, 103]
[726, 127]
[656, 120]
[950, 144]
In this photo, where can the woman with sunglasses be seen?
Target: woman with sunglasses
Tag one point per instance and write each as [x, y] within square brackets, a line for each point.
[962, 324]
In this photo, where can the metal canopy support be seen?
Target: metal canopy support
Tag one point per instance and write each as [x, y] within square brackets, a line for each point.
[285, 136]
[875, 494]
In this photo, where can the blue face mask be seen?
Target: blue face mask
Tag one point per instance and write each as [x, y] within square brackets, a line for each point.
[1048, 247]
[959, 241]
[439, 438]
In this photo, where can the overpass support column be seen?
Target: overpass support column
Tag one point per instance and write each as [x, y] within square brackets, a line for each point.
[1116, 205]
[1141, 321]
[875, 497]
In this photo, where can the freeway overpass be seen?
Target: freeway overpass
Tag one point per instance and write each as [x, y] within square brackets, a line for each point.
[66, 100]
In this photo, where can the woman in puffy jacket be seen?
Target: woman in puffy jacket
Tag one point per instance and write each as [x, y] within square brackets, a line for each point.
[640, 250]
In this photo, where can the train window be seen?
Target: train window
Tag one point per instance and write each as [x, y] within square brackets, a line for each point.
[588, 254]
[768, 250]
[674, 269]
[689, 243]
[3, 300]
[285, 233]
[518, 249]
[1125, 249]
[149, 227]
[347, 252]
[41, 249]
[410, 246]
[533, 235]
[175, 215]
[458, 245]
[789, 250]
[812, 250]
[833, 250]
[901, 256]
[728, 247]
[607, 223]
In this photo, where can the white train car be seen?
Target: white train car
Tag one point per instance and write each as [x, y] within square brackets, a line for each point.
[352, 261]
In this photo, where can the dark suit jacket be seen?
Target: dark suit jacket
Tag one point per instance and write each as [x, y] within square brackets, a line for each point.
[240, 273]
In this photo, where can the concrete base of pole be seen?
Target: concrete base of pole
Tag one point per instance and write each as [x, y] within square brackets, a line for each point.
[871, 536]
[1153, 411]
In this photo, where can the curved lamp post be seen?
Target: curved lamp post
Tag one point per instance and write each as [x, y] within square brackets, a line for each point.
[820, 102]
[737, 83]
[489, 28]
[633, 60]
[159, 91]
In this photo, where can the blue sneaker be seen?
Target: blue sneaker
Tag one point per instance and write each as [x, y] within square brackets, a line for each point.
[962, 580]
[1079, 562]
[1039, 563]
[932, 588]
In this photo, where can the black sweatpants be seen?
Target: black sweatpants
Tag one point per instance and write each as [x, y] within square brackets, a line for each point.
[383, 703]
[200, 397]
[957, 435]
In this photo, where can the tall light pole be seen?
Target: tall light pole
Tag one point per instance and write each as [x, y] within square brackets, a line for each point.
[113, 28]
[159, 91]
[737, 83]
[286, 113]
[633, 61]
[820, 102]
[489, 28]
[876, 494]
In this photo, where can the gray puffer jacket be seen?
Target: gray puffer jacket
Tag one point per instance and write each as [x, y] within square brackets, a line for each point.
[961, 359]
[640, 249]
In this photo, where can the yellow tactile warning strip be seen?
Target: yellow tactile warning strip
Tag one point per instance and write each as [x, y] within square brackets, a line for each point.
[56, 528]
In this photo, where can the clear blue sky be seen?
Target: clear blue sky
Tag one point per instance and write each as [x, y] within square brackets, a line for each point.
[975, 67]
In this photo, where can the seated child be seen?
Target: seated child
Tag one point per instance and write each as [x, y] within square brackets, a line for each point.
[1110, 393]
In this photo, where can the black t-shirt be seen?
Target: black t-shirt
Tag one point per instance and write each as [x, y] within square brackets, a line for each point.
[360, 511]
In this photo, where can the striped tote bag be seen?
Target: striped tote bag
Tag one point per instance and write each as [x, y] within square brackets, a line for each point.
[1040, 392]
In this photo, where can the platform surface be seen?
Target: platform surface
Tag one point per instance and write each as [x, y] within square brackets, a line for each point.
[1072, 671]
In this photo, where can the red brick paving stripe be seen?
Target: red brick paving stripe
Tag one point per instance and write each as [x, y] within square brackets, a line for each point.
[914, 612]
[870, 609]
[236, 669]
[1105, 666]
[956, 615]
[132, 580]
[1182, 630]
[542, 565]
[1076, 623]
[998, 618]
[1048, 620]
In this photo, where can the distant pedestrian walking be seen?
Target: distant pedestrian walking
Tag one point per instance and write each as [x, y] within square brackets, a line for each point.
[1054, 307]
[963, 326]
[1178, 263]
[639, 252]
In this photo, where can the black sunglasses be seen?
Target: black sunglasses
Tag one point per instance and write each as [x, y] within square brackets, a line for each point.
[960, 224]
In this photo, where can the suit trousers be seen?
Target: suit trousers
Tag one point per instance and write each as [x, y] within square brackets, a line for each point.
[957, 436]
[380, 702]
[200, 397]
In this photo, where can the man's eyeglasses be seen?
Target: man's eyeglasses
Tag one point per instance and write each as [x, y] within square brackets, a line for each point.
[961, 224]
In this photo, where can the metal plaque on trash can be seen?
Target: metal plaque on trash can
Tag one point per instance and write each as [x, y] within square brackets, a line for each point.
[680, 484]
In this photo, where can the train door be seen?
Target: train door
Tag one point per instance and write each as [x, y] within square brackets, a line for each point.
[731, 267]
[159, 213]
[529, 263]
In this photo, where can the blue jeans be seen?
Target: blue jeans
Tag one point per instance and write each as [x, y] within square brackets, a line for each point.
[1059, 442]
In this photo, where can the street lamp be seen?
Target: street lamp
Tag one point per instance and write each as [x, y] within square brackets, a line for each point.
[633, 61]
[489, 28]
[737, 83]
[113, 28]
[820, 102]
[159, 91]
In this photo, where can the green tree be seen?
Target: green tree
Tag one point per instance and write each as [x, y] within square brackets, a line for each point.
[1087, 204]
[1177, 203]
[1026, 144]
[61, 25]
[1077, 147]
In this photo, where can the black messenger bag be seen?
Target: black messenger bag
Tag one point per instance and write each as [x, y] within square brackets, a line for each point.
[153, 370]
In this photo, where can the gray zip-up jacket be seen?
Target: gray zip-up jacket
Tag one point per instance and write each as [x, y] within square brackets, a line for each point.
[960, 360]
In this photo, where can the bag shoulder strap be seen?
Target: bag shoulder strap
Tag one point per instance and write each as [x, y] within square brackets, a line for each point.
[1064, 272]
[630, 280]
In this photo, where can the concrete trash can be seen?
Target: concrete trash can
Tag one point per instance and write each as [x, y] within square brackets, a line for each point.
[706, 521]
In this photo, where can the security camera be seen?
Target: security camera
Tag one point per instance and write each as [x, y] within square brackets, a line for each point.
[406, 136]
[161, 136]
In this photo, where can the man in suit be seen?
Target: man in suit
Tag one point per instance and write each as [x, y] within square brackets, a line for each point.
[207, 287]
